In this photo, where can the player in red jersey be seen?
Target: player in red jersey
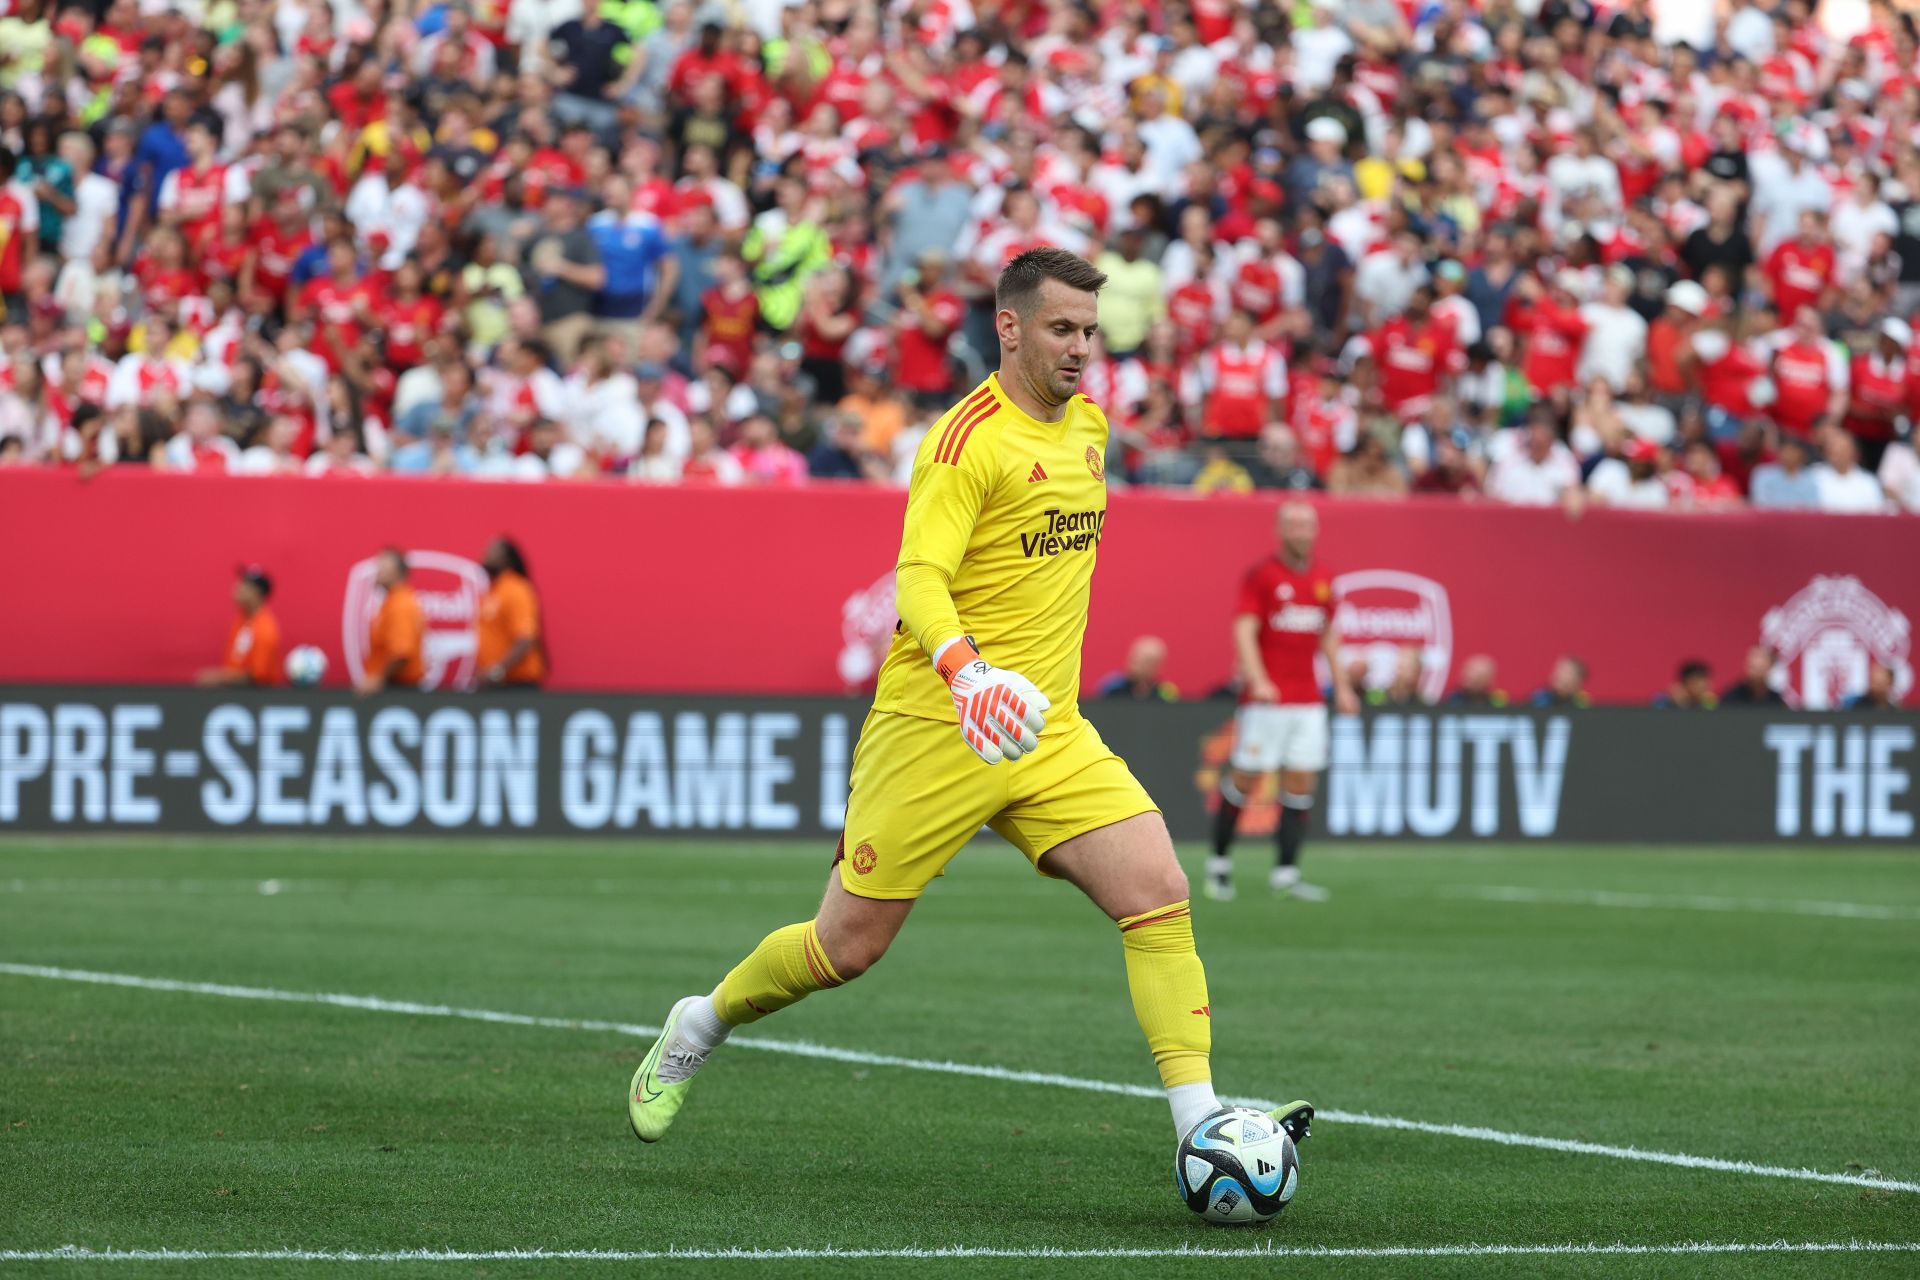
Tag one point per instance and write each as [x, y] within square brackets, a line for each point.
[1284, 620]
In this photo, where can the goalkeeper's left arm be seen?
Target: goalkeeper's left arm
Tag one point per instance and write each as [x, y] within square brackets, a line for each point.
[1001, 712]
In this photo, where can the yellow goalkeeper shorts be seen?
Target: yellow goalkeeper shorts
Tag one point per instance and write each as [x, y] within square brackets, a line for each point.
[918, 793]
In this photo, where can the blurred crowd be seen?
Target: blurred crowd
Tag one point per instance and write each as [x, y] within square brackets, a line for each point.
[1541, 251]
[1761, 682]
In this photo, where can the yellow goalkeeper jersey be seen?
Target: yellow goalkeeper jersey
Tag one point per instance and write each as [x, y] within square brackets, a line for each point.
[1007, 511]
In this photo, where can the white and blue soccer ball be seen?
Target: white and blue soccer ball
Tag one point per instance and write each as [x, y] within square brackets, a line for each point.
[1237, 1166]
[306, 665]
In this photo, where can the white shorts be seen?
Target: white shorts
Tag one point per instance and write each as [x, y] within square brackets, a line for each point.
[1268, 737]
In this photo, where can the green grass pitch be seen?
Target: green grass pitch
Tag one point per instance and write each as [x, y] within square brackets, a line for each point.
[1713, 1003]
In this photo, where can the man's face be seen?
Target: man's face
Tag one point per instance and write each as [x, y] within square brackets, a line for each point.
[1698, 686]
[1759, 665]
[1566, 678]
[387, 574]
[1298, 526]
[1051, 343]
[1879, 681]
[246, 595]
[1145, 659]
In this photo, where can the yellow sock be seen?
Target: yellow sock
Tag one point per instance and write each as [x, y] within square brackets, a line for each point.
[787, 966]
[1169, 988]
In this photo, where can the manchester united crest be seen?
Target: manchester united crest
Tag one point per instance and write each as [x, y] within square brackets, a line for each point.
[1096, 463]
[1828, 634]
[863, 859]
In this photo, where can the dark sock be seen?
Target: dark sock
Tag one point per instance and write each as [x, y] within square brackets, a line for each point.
[1293, 834]
[1225, 819]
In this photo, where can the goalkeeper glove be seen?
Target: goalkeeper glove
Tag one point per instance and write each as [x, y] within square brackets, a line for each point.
[1001, 712]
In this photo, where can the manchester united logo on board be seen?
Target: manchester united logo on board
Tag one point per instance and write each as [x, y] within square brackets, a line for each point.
[1828, 634]
[1096, 463]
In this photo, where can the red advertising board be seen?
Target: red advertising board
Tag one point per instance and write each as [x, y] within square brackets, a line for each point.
[125, 578]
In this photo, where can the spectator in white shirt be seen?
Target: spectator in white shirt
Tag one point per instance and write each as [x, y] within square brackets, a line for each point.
[1171, 143]
[1540, 471]
[274, 454]
[1579, 175]
[1385, 282]
[550, 455]
[96, 201]
[1900, 475]
[1843, 486]
[1449, 282]
[653, 464]
[1632, 481]
[1784, 187]
[340, 455]
[602, 411]
[1317, 49]
[388, 203]
[1856, 222]
[1616, 333]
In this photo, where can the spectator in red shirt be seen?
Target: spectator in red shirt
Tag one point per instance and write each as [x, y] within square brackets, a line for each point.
[19, 232]
[930, 314]
[732, 312]
[408, 316]
[708, 58]
[275, 242]
[1242, 382]
[1809, 376]
[339, 304]
[1554, 331]
[1415, 353]
[1877, 391]
[1711, 487]
[1800, 271]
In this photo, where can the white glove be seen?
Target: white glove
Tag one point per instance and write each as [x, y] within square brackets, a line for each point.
[1001, 712]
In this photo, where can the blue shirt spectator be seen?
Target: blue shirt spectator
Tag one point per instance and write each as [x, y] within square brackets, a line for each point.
[162, 149]
[632, 248]
[1786, 483]
[695, 250]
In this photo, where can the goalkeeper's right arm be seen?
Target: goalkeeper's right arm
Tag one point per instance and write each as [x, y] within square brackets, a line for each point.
[1001, 712]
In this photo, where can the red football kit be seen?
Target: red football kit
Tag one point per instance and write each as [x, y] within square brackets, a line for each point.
[1294, 608]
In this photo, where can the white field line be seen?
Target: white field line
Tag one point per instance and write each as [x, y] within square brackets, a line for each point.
[72, 1253]
[1680, 902]
[519, 887]
[546, 886]
[806, 1049]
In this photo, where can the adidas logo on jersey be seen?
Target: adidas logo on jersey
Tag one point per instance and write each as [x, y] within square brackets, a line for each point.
[1038, 474]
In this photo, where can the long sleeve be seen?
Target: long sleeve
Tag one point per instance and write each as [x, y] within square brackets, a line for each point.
[943, 503]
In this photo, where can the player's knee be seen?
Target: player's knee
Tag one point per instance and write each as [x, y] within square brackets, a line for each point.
[853, 951]
[1173, 883]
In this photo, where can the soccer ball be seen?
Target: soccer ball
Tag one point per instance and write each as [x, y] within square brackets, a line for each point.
[306, 665]
[1236, 1166]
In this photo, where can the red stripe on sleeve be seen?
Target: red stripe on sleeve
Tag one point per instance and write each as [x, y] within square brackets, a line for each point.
[966, 406]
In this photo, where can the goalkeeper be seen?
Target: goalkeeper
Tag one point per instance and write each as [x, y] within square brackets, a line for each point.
[976, 719]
